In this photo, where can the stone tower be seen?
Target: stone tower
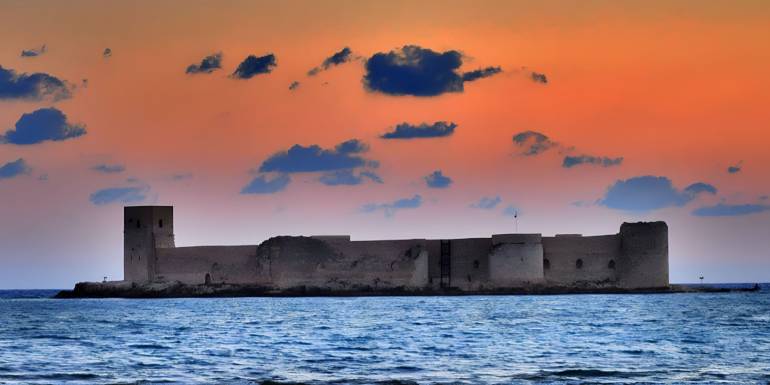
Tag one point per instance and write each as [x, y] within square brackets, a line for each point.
[644, 255]
[145, 228]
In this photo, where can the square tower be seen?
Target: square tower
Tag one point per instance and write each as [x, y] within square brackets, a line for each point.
[145, 228]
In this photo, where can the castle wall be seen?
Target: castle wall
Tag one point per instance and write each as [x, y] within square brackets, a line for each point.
[516, 260]
[469, 263]
[223, 264]
[635, 258]
[644, 247]
[341, 265]
[599, 257]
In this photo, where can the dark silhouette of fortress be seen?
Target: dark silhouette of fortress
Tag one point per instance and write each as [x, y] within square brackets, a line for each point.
[635, 258]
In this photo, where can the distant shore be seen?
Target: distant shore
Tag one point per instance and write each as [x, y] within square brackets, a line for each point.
[122, 289]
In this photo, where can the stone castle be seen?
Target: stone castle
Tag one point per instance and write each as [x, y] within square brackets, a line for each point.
[635, 258]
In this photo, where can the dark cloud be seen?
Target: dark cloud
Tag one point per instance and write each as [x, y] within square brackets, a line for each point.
[33, 52]
[348, 177]
[42, 125]
[390, 208]
[109, 168]
[538, 78]
[437, 179]
[313, 158]
[423, 130]
[481, 73]
[728, 210]
[107, 52]
[254, 65]
[532, 142]
[208, 65]
[294, 85]
[14, 169]
[572, 161]
[341, 57]
[735, 169]
[263, 185]
[700, 187]
[416, 71]
[487, 203]
[645, 193]
[119, 195]
[36, 86]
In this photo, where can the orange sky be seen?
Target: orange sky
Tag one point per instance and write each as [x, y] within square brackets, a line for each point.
[678, 89]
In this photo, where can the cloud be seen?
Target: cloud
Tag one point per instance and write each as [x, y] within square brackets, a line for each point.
[700, 187]
[208, 65]
[481, 73]
[35, 86]
[33, 52]
[107, 52]
[348, 177]
[535, 143]
[437, 179]
[14, 169]
[109, 168]
[423, 130]
[532, 142]
[313, 158]
[645, 193]
[119, 195]
[538, 78]
[254, 65]
[487, 203]
[416, 71]
[294, 85]
[736, 168]
[728, 210]
[262, 185]
[511, 211]
[571, 161]
[341, 57]
[390, 208]
[41, 125]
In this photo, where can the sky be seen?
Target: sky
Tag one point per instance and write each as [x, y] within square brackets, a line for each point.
[432, 119]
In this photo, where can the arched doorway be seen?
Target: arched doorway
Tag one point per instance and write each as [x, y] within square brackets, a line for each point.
[207, 280]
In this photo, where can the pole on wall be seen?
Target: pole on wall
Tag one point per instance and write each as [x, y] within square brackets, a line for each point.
[516, 221]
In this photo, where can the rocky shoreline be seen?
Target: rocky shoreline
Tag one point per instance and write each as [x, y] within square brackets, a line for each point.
[123, 289]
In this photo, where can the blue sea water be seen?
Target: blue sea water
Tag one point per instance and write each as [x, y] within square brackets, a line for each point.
[661, 338]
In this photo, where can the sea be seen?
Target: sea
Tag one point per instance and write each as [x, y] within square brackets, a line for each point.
[685, 338]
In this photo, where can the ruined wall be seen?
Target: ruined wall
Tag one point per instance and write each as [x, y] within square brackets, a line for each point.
[577, 260]
[516, 260]
[644, 246]
[292, 262]
[222, 264]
